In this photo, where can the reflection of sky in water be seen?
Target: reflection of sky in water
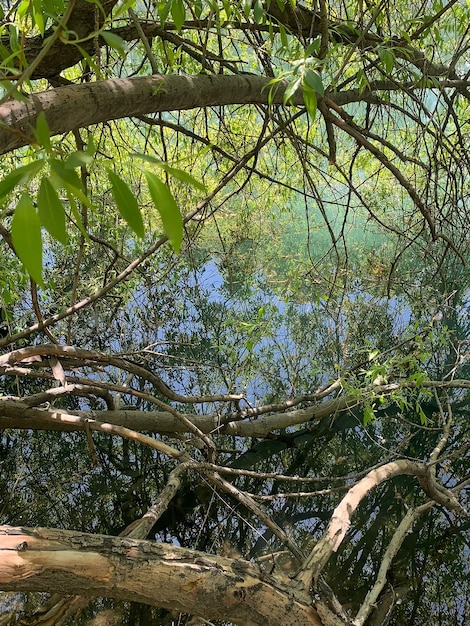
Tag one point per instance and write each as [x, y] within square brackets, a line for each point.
[291, 335]
[207, 285]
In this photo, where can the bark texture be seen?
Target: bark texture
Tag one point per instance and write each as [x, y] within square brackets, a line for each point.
[152, 573]
[76, 106]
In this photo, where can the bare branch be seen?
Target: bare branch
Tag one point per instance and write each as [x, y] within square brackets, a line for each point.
[341, 518]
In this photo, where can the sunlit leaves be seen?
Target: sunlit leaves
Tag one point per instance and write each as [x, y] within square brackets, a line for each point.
[126, 203]
[168, 209]
[20, 176]
[303, 76]
[26, 237]
[175, 172]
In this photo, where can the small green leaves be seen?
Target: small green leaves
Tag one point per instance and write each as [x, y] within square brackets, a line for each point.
[126, 203]
[51, 212]
[168, 209]
[26, 236]
[369, 414]
[422, 415]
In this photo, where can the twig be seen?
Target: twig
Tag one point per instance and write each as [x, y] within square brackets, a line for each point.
[395, 543]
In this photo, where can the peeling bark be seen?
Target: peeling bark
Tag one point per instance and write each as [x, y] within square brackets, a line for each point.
[152, 573]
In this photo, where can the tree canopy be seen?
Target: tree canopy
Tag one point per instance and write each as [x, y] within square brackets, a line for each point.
[234, 312]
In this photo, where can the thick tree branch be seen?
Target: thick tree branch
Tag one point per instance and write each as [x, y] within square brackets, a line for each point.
[76, 106]
[152, 573]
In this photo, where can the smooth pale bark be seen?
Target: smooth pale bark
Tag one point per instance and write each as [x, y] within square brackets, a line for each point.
[77, 106]
[158, 574]
[14, 414]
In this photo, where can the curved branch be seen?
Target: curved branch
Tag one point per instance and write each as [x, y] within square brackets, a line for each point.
[77, 106]
[341, 518]
[77, 357]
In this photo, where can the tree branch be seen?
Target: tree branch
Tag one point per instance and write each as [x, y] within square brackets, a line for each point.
[152, 573]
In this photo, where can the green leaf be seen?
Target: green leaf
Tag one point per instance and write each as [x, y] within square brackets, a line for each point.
[43, 134]
[88, 61]
[21, 175]
[23, 8]
[258, 11]
[310, 100]
[77, 159]
[38, 15]
[69, 180]
[369, 414]
[313, 48]
[168, 209]
[291, 89]
[76, 215]
[178, 13]
[90, 147]
[226, 4]
[67, 175]
[181, 175]
[164, 10]
[116, 42]
[387, 57]
[283, 34]
[422, 415]
[127, 204]
[123, 8]
[247, 7]
[26, 236]
[313, 79]
[51, 212]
